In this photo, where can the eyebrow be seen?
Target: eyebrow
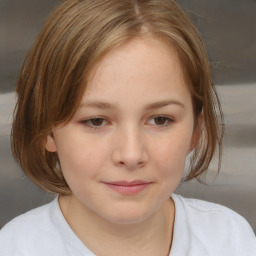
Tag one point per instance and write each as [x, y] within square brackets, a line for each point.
[164, 103]
[109, 106]
[99, 105]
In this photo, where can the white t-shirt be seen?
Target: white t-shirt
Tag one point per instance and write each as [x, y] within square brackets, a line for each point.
[200, 229]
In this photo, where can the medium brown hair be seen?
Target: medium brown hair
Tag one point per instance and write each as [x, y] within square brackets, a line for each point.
[73, 40]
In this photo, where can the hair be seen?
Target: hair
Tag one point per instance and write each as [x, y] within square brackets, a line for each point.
[73, 40]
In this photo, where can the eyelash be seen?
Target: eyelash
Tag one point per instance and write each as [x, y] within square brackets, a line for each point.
[88, 122]
[167, 121]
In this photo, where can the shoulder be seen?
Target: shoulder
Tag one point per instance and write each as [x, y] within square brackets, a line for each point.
[17, 236]
[210, 210]
[28, 220]
[215, 225]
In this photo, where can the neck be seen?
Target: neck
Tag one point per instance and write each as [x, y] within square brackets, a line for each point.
[152, 236]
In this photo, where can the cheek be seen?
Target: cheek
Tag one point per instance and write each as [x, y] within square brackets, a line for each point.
[81, 160]
[170, 154]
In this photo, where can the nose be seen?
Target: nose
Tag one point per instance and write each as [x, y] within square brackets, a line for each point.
[130, 149]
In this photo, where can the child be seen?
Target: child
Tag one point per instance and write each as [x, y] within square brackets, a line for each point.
[112, 99]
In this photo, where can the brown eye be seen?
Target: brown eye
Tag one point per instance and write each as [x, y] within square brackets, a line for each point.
[160, 120]
[96, 121]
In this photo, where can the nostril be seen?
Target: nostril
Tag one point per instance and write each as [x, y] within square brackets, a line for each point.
[140, 164]
[133, 165]
[121, 163]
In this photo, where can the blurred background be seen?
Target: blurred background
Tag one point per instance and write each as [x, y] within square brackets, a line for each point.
[229, 30]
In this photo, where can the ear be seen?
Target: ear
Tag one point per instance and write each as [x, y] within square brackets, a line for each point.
[50, 143]
[197, 132]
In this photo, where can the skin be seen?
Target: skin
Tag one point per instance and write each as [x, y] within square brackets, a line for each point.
[135, 122]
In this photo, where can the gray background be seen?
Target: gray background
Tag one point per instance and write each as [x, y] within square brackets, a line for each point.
[229, 29]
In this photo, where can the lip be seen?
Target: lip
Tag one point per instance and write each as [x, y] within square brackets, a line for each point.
[128, 187]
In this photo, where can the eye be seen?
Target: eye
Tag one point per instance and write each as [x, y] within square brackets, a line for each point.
[160, 121]
[95, 123]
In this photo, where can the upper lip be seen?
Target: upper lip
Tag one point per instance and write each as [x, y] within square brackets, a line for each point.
[128, 183]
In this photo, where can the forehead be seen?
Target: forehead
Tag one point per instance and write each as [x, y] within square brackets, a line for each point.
[140, 69]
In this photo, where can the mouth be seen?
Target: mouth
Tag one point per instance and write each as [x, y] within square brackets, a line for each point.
[128, 187]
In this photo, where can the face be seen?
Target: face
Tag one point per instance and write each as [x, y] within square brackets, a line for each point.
[123, 153]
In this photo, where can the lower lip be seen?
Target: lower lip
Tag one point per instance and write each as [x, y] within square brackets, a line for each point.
[128, 190]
